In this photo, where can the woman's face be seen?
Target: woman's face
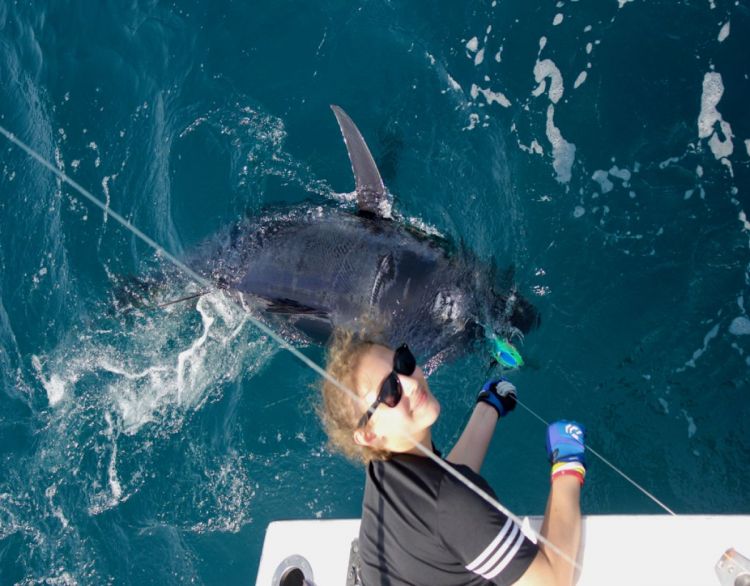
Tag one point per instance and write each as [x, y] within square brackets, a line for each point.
[394, 429]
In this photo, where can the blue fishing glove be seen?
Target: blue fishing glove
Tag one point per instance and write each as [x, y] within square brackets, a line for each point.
[565, 442]
[500, 394]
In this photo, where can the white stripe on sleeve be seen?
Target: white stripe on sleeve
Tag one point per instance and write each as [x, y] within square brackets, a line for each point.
[492, 547]
[507, 559]
[490, 563]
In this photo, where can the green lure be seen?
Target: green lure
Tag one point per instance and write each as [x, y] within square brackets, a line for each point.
[505, 353]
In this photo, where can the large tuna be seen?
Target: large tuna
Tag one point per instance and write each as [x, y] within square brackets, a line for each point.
[312, 268]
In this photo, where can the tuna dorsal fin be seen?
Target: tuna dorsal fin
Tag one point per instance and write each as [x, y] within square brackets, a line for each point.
[372, 199]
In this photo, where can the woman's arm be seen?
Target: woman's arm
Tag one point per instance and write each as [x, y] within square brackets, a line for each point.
[471, 447]
[496, 399]
[562, 526]
[562, 519]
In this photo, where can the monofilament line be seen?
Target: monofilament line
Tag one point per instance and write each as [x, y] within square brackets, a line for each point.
[205, 283]
[608, 463]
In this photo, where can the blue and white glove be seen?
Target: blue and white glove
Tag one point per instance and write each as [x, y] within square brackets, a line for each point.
[500, 394]
[566, 451]
[565, 442]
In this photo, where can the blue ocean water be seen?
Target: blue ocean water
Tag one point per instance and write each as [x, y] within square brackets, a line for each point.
[600, 148]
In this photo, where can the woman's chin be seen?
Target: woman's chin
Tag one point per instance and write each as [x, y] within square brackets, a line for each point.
[430, 413]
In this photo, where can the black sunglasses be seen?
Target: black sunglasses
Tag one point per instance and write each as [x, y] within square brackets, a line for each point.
[390, 389]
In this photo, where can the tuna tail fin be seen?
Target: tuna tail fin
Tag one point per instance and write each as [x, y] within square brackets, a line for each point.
[372, 198]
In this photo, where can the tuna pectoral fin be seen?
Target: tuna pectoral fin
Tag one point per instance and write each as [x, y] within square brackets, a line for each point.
[291, 307]
[371, 193]
[292, 319]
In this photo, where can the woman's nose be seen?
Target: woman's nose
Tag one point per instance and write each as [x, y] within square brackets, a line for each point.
[409, 384]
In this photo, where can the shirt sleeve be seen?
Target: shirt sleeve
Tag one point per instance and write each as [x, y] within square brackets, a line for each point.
[484, 540]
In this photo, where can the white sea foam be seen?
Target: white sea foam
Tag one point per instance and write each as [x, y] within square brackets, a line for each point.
[712, 333]
[116, 381]
[93, 146]
[623, 174]
[740, 326]
[747, 146]
[190, 361]
[114, 483]
[667, 162]
[489, 95]
[728, 164]
[453, 83]
[473, 44]
[713, 89]
[623, 2]
[55, 388]
[479, 57]
[558, 19]
[563, 152]
[533, 149]
[724, 32]
[547, 69]
[51, 493]
[62, 579]
[580, 79]
[107, 196]
[190, 128]
[664, 405]
[229, 495]
[423, 226]
[179, 379]
[54, 385]
[473, 121]
[602, 178]
[692, 428]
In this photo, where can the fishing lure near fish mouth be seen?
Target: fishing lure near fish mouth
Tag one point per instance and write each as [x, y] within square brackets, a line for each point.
[505, 353]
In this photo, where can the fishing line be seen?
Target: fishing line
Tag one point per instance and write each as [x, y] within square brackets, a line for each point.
[181, 299]
[168, 303]
[607, 462]
[273, 335]
[589, 448]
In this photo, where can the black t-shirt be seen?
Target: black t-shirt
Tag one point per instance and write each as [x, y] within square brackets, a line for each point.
[422, 526]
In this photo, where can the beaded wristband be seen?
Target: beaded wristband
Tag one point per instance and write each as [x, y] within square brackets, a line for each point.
[575, 473]
[568, 468]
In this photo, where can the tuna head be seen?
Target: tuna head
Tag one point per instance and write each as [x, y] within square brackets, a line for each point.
[498, 310]
[514, 313]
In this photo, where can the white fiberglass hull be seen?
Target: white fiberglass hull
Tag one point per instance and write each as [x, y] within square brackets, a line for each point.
[616, 549]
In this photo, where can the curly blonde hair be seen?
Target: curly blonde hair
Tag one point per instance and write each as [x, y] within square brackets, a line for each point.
[339, 412]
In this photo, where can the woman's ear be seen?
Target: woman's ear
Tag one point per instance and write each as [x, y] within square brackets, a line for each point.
[364, 437]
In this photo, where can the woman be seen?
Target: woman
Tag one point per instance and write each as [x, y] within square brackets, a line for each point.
[420, 525]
